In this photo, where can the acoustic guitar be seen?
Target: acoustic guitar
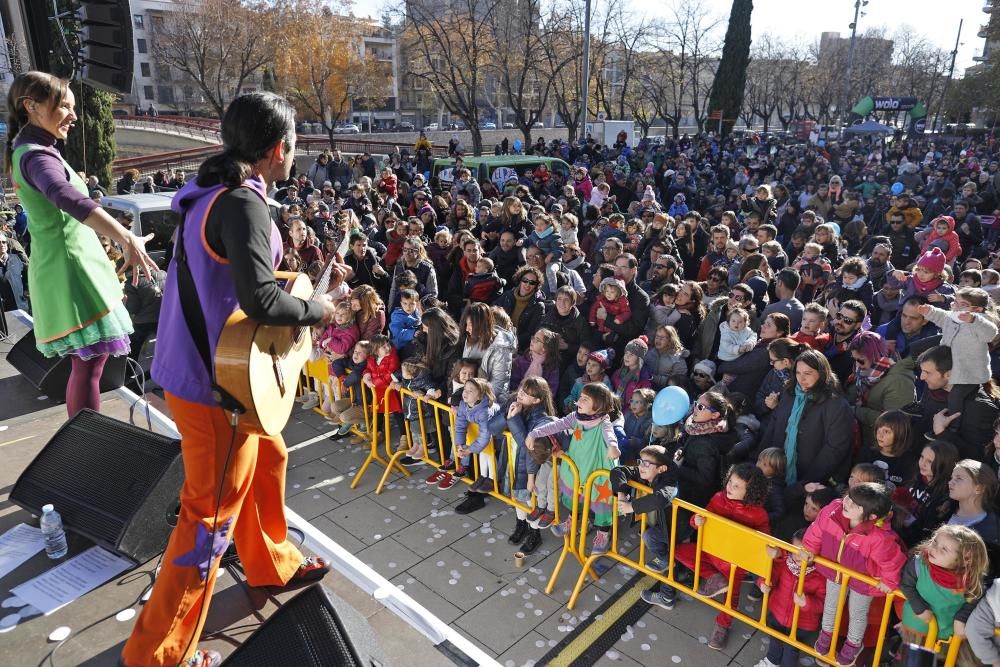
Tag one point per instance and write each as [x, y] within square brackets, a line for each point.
[259, 364]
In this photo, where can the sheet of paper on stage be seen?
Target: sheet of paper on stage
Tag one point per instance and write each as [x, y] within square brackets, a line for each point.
[18, 545]
[70, 580]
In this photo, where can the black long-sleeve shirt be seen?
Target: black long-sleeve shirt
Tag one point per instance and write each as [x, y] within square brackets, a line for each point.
[239, 229]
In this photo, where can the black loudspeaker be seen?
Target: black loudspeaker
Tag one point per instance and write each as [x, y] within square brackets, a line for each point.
[116, 484]
[49, 375]
[314, 629]
[106, 35]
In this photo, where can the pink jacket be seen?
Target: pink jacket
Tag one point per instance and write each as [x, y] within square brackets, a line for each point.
[869, 548]
[335, 339]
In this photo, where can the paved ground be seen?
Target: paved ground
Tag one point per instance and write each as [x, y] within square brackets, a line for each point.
[459, 567]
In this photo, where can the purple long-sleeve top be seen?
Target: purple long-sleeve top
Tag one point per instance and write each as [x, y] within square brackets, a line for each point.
[45, 171]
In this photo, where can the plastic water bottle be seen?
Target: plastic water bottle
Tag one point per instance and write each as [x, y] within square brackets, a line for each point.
[55, 536]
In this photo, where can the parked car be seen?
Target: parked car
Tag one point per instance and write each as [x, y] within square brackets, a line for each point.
[347, 128]
[433, 127]
[508, 126]
[487, 126]
[405, 126]
[538, 123]
[457, 125]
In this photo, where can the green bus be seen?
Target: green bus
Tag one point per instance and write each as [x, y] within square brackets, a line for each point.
[498, 169]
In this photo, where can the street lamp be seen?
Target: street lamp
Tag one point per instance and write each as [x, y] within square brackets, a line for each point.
[858, 4]
[585, 84]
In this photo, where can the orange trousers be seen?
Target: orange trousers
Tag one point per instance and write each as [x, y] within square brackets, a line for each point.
[252, 512]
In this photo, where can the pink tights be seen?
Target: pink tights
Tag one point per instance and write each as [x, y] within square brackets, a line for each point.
[84, 387]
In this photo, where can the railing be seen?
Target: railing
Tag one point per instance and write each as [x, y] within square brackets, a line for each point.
[188, 160]
[746, 549]
[196, 128]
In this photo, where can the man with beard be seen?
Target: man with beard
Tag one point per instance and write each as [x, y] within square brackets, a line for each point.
[879, 264]
[716, 251]
[507, 257]
[846, 325]
[913, 327]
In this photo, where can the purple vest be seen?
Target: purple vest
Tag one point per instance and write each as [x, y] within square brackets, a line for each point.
[177, 366]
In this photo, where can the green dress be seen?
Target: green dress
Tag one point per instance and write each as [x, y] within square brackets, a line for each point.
[76, 295]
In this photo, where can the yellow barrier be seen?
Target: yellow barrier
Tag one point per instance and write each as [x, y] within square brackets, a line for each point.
[745, 549]
[571, 545]
[319, 372]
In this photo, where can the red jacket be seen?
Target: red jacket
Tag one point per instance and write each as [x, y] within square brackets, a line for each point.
[381, 373]
[951, 238]
[619, 309]
[751, 516]
[393, 248]
[784, 583]
[817, 342]
[870, 549]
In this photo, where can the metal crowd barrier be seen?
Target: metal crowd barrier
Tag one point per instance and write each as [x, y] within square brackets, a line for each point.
[745, 549]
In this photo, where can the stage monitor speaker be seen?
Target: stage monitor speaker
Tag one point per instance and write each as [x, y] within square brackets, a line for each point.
[49, 375]
[108, 50]
[116, 484]
[314, 629]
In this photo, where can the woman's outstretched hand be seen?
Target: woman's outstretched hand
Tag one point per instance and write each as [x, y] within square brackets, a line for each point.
[136, 258]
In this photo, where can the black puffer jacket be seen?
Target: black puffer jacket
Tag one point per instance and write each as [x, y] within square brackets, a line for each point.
[701, 470]
[527, 324]
[750, 369]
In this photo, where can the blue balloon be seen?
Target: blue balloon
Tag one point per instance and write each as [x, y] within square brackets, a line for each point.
[518, 145]
[897, 188]
[670, 406]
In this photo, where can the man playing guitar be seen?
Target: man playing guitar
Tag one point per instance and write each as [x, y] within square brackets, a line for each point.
[234, 488]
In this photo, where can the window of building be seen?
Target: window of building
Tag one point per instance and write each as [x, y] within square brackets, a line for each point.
[166, 94]
[140, 45]
[147, 92]
[144, 69]
[138, 22]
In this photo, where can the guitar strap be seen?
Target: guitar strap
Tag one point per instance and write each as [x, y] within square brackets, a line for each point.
[194, 318]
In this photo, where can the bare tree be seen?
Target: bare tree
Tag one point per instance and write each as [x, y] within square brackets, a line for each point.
[565, 45]
[217, 44]
[767, 76]
[525, 66]
[451, 49]
[793, 91]
[919, 68]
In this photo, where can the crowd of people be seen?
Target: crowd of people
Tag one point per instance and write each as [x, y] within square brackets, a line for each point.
[829, 310]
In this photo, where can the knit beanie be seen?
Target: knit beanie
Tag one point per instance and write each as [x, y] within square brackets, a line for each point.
[638, 346]
[603, 357]
[706, 366]
[933, 260]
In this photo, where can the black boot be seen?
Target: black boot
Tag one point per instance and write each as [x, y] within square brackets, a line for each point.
[532, 542]
[520, 531]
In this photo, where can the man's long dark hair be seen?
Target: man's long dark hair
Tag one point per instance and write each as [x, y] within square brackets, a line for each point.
[253, 124]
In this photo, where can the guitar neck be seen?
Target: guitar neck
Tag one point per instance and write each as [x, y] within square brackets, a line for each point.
[323, 284]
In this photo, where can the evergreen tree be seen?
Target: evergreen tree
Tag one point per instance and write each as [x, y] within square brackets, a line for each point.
[90, 146]
[730, 78]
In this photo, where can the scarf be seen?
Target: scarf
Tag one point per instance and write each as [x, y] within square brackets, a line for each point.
[795, 566]
[792, 434]
[535, 365]
[589, 420]
[520, 303]
[924, 288]
[627, 375]
[858, 285]
[717, 425]
[945, 578]
[548, 231]
[865, 380]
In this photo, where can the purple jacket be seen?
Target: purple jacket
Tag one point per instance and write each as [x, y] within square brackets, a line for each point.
[177, 366]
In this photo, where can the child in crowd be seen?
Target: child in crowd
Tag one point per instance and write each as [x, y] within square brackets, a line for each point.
[335, 342]
[941, 235]
[405, 280]
[484, 285]
[568, 225]
[472, 420]
[885, 303]
[666, 356]
[613, 298]
[968, 330]
[772, 462]
[546, 238]
[855, 533]
[784, 598]
[541, 359]
[656, 469]
[349, 370]
[892, 453]
[678, 208]
[943, 580]
[532, 407]
[633, 235]
[593, 446]
[463, 371]
[382, 363]
[405, 320]
[662, 310]
[920, 501]
[929, 280]
[573, 372]
[812, 330]
[595, 370]
[736, 338]
[631, 375]
[742, 499]
[599, 195]
[638, 423]
[815, 271]
[416, 379]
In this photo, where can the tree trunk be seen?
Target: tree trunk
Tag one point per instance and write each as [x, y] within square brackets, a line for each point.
[477, 140]
[676, 127]
[329, 133]
[526, 133]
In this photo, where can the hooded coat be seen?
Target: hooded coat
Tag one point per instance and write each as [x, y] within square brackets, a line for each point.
[951, 238]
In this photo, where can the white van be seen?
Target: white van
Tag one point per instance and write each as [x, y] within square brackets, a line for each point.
[151, 213]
